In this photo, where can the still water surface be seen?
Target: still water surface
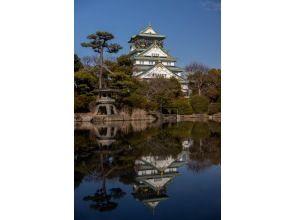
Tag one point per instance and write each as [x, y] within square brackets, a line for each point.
[147, 171]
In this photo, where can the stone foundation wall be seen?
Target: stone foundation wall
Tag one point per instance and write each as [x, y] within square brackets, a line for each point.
[194, 117]
[141, 115]
[136, 115]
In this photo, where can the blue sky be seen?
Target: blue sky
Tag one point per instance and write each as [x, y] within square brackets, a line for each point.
[192, 27]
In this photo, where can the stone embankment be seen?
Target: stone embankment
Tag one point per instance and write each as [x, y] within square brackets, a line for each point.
[141, 115]
[136, 114]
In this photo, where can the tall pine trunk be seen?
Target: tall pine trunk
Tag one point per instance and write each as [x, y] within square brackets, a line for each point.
[101, 68]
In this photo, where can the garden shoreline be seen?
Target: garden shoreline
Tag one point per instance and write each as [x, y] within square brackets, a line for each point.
[144, 116]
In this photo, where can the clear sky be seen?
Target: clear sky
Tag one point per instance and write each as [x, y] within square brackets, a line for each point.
[192, 27]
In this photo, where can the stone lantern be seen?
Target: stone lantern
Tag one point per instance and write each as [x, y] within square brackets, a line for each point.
[105, 102]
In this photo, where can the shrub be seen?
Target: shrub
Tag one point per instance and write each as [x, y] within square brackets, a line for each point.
[151, 106]
[199, 103]
[136, 101]
[85, 82]
[183, 106]
[124, 60]
[77, 63]
[82, 103]
[214, 108]
[140, 101]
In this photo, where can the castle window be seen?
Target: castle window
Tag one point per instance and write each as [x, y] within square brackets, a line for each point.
[150, 62]
[141, 62]
[155, 54]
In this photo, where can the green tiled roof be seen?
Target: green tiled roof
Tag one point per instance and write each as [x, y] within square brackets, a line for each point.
[159, 36]
[153, 58]
[136, 51]
[175, 68]
[142, 34]
[148, 67]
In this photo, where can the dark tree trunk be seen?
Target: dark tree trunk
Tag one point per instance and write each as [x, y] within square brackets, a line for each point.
[101, 69]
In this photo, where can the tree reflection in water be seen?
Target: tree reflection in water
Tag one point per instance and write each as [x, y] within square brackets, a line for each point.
[146, 157]
[105, 151]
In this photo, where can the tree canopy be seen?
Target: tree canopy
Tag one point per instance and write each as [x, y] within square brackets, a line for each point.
[99, 40]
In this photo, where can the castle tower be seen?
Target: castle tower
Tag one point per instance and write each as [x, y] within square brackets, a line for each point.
[151, 60]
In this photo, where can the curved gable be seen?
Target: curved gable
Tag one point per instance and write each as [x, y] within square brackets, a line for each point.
[149, 30]
[155, 52]
[159, 70]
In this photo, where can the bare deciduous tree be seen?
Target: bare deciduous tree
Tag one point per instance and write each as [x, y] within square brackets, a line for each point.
[196, 67]
[90, 61]
[198, 81]
[197, 76]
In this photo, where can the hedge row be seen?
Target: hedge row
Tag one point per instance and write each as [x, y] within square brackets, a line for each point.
[195, 104]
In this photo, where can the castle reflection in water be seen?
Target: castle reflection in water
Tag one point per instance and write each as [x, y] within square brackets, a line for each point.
[154, 173]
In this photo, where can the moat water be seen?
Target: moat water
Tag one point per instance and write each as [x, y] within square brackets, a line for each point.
[148, 171]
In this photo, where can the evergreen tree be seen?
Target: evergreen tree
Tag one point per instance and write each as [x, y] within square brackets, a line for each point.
[99, 42]
[77, 63]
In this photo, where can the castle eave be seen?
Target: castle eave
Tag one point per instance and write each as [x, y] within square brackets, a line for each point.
[154, 58]
[158, 36]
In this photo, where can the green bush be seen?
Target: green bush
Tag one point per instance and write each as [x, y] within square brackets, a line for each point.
[85, 82]
[214, 108]
[151, 106]
[77, 63]
[124, 60]
[199, 103]
[136, 101]
[82, 103]
[183, 106]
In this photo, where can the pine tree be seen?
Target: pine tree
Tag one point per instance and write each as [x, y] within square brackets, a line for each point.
[99, 42]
